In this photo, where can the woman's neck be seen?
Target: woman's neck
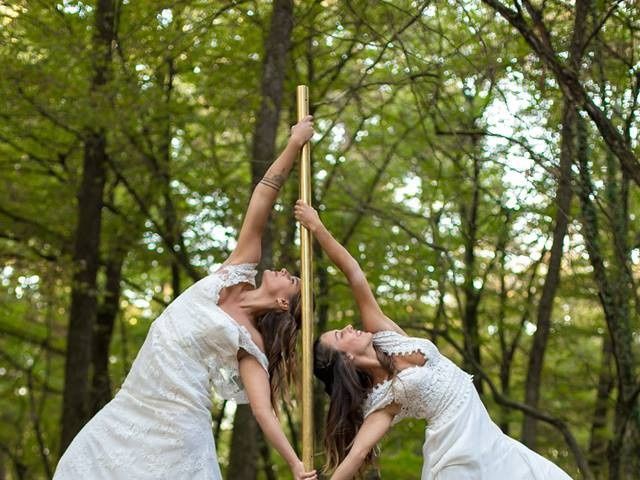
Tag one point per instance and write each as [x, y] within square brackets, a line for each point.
[246, 303]
[254, 302]
[380, 367]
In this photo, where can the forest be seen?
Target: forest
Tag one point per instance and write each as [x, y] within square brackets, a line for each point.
[479, 158]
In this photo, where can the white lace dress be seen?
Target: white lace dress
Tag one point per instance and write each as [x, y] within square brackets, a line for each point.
[158, 426]
[461, 441]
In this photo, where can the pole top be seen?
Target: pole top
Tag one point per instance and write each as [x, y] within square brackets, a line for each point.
[302, 95]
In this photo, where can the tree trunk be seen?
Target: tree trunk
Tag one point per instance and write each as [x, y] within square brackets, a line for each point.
[505, 359]
[87, 242]
[563, 200]
[101, 384]
[243, 457]
[598, 438]
[244, 443]
[471, 294]
[170, 216]
[552, 279]
[276, 54]
[267, 463]
[616, 311]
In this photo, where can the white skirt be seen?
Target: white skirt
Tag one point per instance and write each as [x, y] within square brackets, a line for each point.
[471, 447]
[131, 440]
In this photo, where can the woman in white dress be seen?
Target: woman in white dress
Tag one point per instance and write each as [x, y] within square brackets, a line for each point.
[221, 333]
[379, 375]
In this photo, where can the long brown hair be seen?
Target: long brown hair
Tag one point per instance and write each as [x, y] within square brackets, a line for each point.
[348, 387]
[279, 330]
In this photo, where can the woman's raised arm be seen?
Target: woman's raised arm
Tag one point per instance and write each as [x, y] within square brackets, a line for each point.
[248, 249]
[373, 318]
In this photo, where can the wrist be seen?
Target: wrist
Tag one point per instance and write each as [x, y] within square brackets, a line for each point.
[314, 227]
[319, 229]
[296, 143]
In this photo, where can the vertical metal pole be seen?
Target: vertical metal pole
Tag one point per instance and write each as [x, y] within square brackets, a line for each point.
[306, 274]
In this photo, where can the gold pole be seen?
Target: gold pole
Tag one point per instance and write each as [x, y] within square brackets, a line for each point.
[306, 274]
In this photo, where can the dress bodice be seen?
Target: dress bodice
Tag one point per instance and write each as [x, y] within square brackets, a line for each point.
[193, 345]
[434, 391]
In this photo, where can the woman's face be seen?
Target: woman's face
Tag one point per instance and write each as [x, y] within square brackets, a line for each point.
[280, 283]
[347, 340]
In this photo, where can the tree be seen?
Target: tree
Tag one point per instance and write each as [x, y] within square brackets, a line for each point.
[83, 311]
[244, 443]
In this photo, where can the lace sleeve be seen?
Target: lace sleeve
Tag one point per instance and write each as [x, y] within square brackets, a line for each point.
[393, 343]
[380, 397]
[228, 275]
[249, 346]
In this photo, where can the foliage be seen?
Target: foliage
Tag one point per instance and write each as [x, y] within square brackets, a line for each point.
[438, 130]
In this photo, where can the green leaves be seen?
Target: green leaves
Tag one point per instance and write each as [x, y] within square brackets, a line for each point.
[437, 138]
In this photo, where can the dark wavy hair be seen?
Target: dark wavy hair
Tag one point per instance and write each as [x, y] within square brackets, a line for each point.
[279, 330]
[348, 386]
